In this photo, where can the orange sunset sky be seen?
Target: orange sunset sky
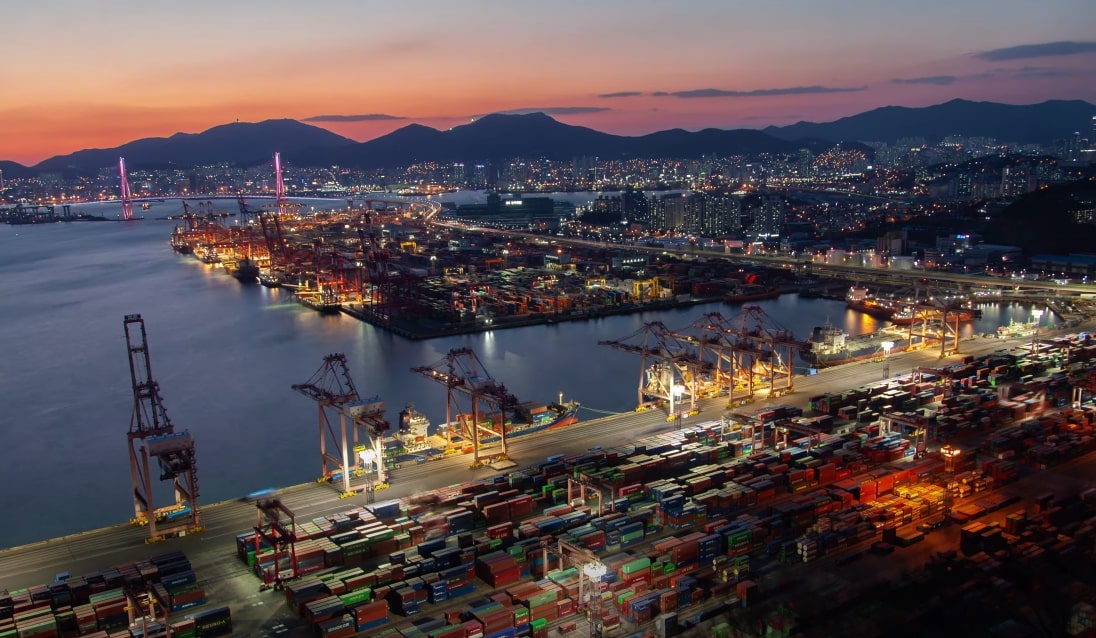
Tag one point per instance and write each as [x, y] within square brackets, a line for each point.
[78, 74]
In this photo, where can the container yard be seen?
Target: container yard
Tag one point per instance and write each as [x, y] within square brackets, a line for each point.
[388, 268]
[947, 470]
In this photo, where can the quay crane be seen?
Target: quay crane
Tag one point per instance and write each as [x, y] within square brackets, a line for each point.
[332, 389]
[463, 375]
[379, 297]
[930, 306]
[751, 349]
[670, 367]
[152, 436]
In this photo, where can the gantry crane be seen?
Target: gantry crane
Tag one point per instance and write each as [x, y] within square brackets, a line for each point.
[463, 375]
[276, 524]
[376, 291]
[752, 351]
[1083, 388]
[152, 436]
[332, 389]
[931, 310]
[670, 367]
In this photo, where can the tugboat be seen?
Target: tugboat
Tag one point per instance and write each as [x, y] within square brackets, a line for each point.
[271, 279]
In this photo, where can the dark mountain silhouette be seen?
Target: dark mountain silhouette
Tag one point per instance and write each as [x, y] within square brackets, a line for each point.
[1028, 123]
[492, 137]
[239, 143]
[13, 170]
[499, 137]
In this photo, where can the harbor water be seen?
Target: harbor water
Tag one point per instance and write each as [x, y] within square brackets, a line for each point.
[225, 355]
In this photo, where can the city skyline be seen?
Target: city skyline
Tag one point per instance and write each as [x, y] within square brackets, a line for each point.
[626, 68]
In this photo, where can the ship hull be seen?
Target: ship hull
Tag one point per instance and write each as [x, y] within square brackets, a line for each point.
[751, 296]
[849, 356]
[879, 312]
[964, 317]
[326, 308]
[566, 418]
[830, 348]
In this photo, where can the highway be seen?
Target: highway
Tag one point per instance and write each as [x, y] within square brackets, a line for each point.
[227, 581]
[892, 276]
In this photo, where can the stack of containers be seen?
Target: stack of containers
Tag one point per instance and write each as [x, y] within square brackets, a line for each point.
[338, 627]
[494, 619]
[540, 598]
[498, 569]
[110, 609]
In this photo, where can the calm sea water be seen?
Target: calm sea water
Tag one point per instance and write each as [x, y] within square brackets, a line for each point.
[225, 356]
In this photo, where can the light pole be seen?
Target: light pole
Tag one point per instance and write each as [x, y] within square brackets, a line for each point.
[887, 346]
[1038, 314]
[367, 457]
[595, 570]
[676, 392]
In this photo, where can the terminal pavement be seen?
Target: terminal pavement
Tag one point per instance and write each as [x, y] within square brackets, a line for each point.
[228, 581]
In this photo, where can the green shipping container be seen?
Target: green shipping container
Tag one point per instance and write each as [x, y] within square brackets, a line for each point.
[356, 597]
[635, 566]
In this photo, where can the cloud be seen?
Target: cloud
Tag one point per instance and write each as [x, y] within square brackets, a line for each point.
[930, 79]
[1041, 72]
[370, 117]
[622, 94]
[1044, 50]
[791, 90]
[556, 110]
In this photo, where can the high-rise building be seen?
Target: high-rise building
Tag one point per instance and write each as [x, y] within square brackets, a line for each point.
[721, 215]
[1016, 180]
[805, 160]
[768, 220]
[673, 211]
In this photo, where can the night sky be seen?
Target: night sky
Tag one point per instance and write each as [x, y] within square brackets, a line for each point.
[80, 74]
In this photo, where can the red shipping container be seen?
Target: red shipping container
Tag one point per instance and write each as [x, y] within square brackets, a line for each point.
[371, 611]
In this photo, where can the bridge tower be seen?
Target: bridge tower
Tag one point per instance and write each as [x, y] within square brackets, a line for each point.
[152, 436]
[279, 185]
[124, 193]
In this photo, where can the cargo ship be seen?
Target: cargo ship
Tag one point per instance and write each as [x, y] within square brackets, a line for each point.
[325, 301]
[749, 292]
[830, 346]
[246, 271]
[860, 299]
[528, 418]
[414, 428]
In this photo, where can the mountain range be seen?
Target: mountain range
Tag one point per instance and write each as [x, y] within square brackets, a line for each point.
[498, 137]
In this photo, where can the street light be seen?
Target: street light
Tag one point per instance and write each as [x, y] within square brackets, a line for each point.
[1038, 314]
[595, 570]
[676, 392]
[887, 346]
